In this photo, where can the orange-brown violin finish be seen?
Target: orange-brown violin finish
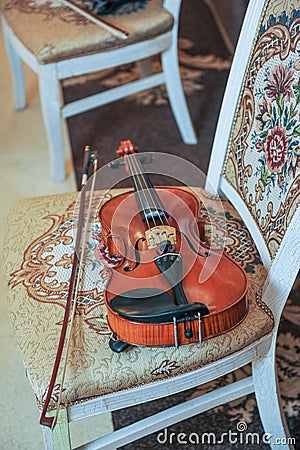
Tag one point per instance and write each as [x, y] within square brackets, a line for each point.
[166, 287]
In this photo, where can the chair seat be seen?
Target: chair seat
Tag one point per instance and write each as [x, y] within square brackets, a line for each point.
[54, 33]
[38, 284]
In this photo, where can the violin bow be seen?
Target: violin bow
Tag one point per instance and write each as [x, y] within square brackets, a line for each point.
[77, 267]
[119, 32]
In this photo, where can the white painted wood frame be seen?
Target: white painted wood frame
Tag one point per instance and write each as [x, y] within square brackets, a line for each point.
[50, 76]
[261, 354]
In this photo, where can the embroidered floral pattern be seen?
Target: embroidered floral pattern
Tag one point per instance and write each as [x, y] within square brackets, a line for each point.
[44, 7]
[36, 319]
[237, 237]
[47, 265]
[166, 367]
[279, 132]
[276, 147]
[55, 393]
[102, 255]
[280, 83]
[263, 161]
[47, 8]
[47, 262]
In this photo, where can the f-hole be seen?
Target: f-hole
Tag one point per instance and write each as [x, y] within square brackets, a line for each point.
[137, 256]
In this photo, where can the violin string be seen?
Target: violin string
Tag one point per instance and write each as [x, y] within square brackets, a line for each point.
[78, 279]
[138, 189]
[137, 180]
[153, 194]
[147, 190]
[155, 198]
[142, 191]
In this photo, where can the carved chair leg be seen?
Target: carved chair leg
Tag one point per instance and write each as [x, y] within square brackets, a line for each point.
[16, 65]
[144, 67]
[225, 36]
[176, 95]
[59, 437]
[269, 402]
[50, 96]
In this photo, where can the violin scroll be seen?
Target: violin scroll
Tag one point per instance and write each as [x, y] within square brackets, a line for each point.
[126, 148]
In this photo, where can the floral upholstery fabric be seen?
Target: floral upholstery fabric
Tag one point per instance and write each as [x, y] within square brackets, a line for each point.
[263, 157]
[53, 32]
[39, 247]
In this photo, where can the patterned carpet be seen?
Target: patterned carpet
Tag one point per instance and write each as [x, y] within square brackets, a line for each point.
[146, 120]
[240, 415]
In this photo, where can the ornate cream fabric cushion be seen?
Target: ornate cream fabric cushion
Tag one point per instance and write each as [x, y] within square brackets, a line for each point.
[39, 247]
[263, 157]
[53, 32]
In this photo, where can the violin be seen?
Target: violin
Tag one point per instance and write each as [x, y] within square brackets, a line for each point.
[165, 287]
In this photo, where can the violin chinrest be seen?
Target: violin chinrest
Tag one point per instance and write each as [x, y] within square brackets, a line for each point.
[153, 306]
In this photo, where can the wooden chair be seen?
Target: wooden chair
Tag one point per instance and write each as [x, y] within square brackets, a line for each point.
[58, 43]
[254, 167]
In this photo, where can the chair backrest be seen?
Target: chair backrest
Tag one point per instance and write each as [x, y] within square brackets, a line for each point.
[255, 159]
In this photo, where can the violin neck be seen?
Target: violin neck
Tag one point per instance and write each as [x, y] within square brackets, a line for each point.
[151, 207]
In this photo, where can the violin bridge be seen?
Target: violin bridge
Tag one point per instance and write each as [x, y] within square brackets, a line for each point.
[159, 234]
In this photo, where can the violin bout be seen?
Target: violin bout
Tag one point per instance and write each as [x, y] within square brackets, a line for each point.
[166, 287]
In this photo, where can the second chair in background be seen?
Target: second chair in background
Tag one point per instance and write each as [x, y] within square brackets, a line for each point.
[57, 43]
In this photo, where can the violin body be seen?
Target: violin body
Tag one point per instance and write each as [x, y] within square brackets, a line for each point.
[167, 287]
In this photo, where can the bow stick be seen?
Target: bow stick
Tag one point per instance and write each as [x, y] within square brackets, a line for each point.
[102, 23]
[77, 266]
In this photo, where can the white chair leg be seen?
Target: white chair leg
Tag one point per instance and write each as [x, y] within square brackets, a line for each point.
[50, 98]
[144, 67]
[17, 73]
[59, 437]
[176, 95]
[269, 402]
[225, 36]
